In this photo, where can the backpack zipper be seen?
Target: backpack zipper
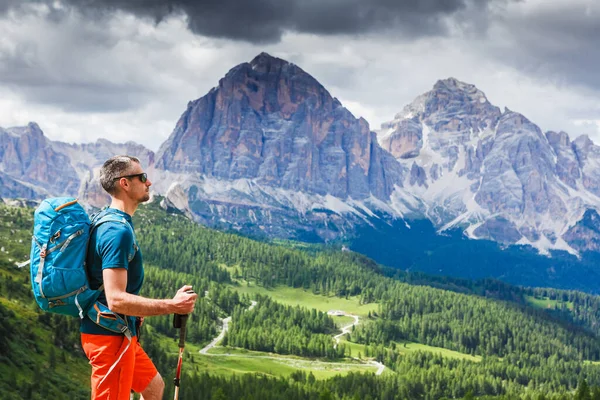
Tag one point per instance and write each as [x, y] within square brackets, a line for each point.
[81, 289]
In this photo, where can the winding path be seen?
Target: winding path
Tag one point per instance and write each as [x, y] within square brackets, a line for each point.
[223, 332]
[218, 338]
[345, 329]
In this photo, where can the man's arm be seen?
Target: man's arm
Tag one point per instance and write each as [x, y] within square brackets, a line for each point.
[119, 301]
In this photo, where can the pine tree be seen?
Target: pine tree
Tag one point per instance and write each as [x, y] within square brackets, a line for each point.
[583, 391]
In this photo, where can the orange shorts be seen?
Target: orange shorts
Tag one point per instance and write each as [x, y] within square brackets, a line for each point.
[134, 371]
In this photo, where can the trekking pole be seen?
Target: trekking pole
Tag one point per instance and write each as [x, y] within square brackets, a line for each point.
[179, 321]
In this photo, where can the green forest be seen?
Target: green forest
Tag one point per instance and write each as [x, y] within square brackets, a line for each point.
[281, 329]
[528, 343]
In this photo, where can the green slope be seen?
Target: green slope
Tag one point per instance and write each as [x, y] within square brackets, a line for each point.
[39, 354]
[428, 331]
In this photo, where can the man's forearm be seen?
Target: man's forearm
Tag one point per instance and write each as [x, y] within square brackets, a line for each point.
[131, 304]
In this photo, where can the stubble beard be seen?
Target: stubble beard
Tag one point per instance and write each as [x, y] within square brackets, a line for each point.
[144, 198]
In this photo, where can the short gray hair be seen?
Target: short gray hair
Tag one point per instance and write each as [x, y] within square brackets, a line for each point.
[113, 168]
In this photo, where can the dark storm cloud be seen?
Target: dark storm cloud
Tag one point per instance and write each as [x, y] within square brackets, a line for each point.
[263, 21]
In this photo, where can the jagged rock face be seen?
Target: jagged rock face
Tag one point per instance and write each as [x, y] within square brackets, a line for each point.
[417, 175]
[494, 174]
[27, 156]
[406, 139]
[518, 172]
[33, 167]
[457, 108]
[250, 208]
[11, 188]
[271, 122]
[585, 235]
[588, 155]
[567, 163]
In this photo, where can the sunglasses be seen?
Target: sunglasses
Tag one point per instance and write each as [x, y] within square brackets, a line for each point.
[143, 177]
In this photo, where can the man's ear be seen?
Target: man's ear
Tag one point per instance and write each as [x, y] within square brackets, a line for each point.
[124, 184]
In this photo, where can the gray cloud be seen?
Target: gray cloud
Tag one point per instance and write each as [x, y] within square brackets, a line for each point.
[556, 41]
[87, 97]
[6, 5]
[55, 57]
[66, 62]
[265, 21]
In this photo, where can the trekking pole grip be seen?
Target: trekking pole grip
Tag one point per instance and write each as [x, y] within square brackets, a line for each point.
[183, 319]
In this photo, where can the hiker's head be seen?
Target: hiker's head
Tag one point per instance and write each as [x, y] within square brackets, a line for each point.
[123, 171]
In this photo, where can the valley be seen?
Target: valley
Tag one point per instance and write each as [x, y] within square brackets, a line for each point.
[424, 333]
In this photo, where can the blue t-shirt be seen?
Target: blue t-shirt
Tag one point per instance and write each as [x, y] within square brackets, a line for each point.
[110, 246]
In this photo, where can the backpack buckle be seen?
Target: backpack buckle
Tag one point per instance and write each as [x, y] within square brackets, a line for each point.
[56, 303]
[55, 237]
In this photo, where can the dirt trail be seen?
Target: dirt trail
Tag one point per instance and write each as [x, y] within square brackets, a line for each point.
[346, 329]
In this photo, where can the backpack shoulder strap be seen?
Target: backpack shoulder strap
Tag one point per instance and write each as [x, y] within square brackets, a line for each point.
[103, 217]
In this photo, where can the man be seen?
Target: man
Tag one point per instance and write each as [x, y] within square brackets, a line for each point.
[118, 364]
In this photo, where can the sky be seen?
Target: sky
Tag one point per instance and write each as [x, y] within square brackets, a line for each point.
[125, 70]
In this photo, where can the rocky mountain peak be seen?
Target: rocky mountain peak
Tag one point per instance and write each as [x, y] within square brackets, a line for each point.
[31, 130]
[558, 139]
[453, 112]
[270, 121]
[35, 128]
[582, 146]
[583, 142]
[33, 166]
[265, 62]
[454, 85]
[26, 154]
[454, 90]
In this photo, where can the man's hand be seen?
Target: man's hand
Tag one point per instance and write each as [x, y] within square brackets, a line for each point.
[184, 300]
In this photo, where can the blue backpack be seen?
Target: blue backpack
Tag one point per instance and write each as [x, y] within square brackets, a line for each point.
[61, 231]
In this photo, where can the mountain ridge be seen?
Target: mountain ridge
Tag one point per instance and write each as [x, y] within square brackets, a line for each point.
[270, 151]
